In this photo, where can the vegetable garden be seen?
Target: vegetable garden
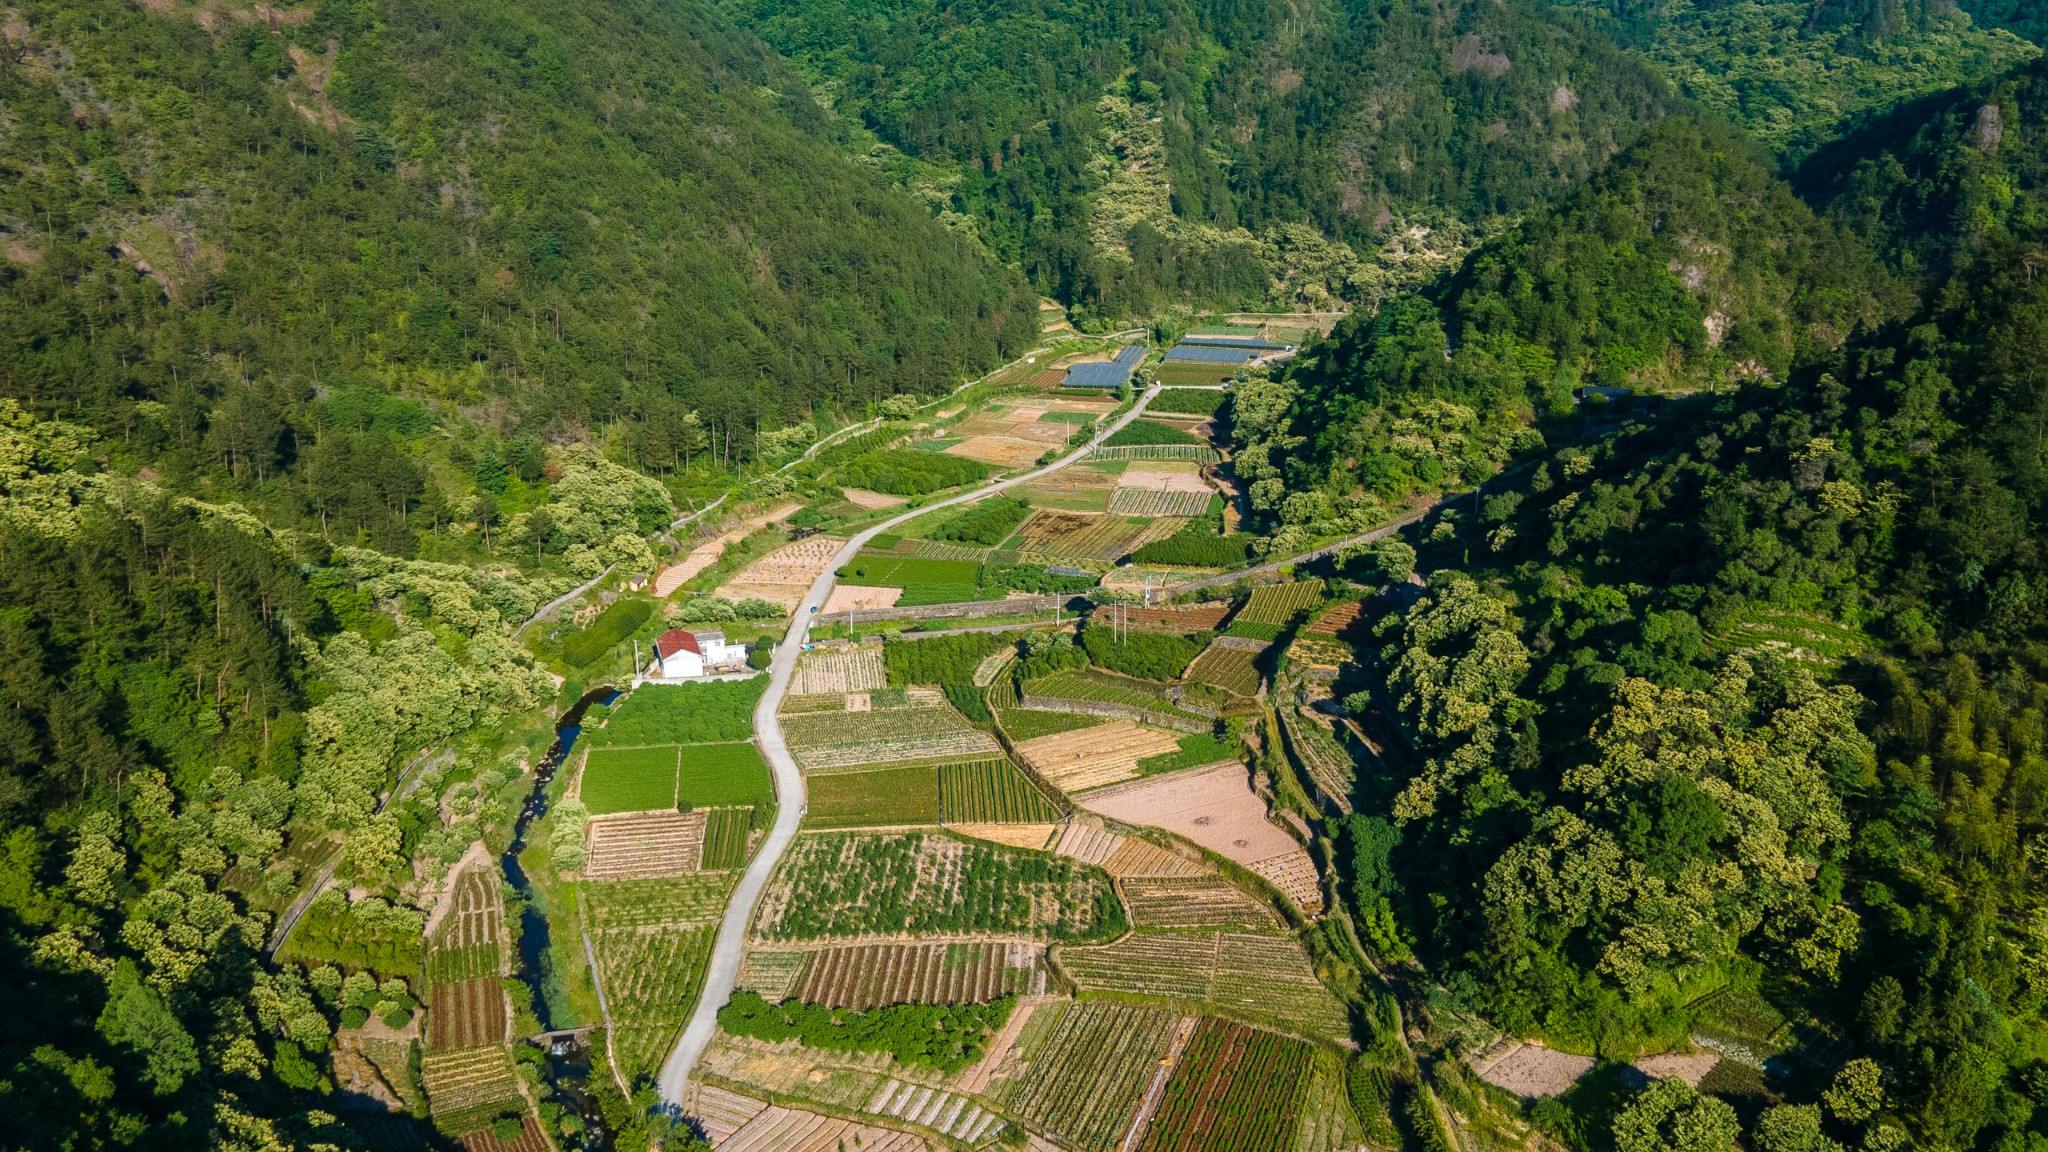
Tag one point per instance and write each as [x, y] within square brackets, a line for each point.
[715, 710]
[991, 791]
[1235, 1089]
[651, 980]
[1088, 1070]
[1230, 664]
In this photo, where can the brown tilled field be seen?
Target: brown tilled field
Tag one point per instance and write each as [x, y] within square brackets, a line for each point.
[1337, 621]
[1215, 808]
[1033, 836]
[478, 916]
[467, 1014]
[1229, 663]
[784, 575]
[1078, 535]
[1001, 451]
[528, 1140]
[644, 846]
[1085, 839]
[1193, 618]
[876, 975]
[1092, 757]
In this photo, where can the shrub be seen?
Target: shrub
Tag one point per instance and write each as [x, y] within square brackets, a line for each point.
[1146, 655]
[612, 625]
[945, 1037]
[968, 699]
[1032, 578]
[987, 523]
[941, 659]
[1188, 401]
[907, 472]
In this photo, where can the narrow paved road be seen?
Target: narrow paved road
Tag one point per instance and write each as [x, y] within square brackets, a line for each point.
[724, 968]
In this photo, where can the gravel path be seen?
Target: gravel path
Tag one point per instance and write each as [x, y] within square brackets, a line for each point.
[723, 970]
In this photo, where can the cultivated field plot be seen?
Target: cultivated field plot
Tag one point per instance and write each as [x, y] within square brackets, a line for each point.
[1037, 837]
[643, 903]
[990, 792]
[1085, 839]
[859, 598]
[466, 1014]
[1262, 977]
[1229, 663]
[1531, 1071]
[822, 741]
[1280, 603]
[1192, 618]
[1003, 451]
[1084, 1070]
[1316, 745]
[1338, 622]
[846, 668]
[629, 779]
[1235, 1089]
[778, 1129]
[1165, 490]
[902, 569]
[721, 775]
[1079, 536]
[1195, 903]
[873, 975]
[1087, 684]
[1092, 757]
[773, 974]
[840, 885]
[878, 796]
[1215, 808]
[529, 1139]
[784, 575]
[1079, 488]
[647, 845]
[1194, 374]
[727, 836]
[651, 978]
[467, 1088]
[1199, 453]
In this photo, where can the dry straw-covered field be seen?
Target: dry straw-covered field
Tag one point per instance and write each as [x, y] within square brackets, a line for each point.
[1094, 756]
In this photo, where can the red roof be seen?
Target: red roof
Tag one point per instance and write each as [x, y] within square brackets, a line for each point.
[673, 641]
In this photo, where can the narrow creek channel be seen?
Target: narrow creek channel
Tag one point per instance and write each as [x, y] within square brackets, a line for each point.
[568, 1065]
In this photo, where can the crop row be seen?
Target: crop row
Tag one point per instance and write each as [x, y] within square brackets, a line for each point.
[468, 1081]
[856, 668]
[725, 838]
[1231, 668]
[651, 979]
[1200, 453]
[991, 791]
[837, 885]
[1258, 976]
[1329, 766]
[1151, 502]
[478, 914]
[1086, 1075]
[873, 975]
[467, 1013]
[1236, 1089]
[445, 964]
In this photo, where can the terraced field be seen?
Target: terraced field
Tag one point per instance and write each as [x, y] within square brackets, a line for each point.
[991, 792]
[1315, 745]
[645, 903]
[1236, 1089]
[1229, 663]
[1805, 637]
[1195, 903]
[1094, 756]
[1180, 620]
[1139, 696]
[1255, 976]
[1199, 453]
[468, 1088]
[1085, 1068]
[1080, 536]
[1280, 603]
[464, 962]
[1086, 840]
[1216, 808]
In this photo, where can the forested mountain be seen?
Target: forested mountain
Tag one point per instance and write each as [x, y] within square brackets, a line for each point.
[564, 216]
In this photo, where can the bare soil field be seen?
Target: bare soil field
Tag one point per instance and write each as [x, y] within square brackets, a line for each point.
[857, 597]
[784, 575]
[467, 1014]
[1215, 808]
[1092, 757]
[706, 554]
[872, 501]
[845, 668]
[1001, 451]
[1691, 1067]
[1193, 618]
[1530, 1070]
[1033, 836]
[1337, 621]
[646, 845]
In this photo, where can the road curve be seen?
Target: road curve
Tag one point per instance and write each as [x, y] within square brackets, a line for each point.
[724, 967]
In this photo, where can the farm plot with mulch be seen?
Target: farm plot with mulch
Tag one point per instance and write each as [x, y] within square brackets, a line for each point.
[1235, 1089]
[928, 730]
[784, 575]
[646, 845]
[1216, 808]
[1083, 536]
[1195, 903]
[1092, 757]
[843, 668]
[1229, 663]
[651, 978]
[837, 885]
[874, 975]
[1084, 1070]
[1257, 976]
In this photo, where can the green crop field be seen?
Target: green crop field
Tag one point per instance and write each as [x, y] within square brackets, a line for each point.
[1188, 401]
[1258, 977]
[1231, 668]
[896, 570]
[638, 903]
[1086, 1069]
[1089, 685]
[681, 714]
[629, 779]
[725, 837]
[881, 796]
[1021, 725]
[1804, 637]
[991, 792]
[1196, 749]
[721, 775]
[651, 980]
[1236, 1089]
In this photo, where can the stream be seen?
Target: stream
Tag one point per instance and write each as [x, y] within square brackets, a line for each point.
[568, 1059]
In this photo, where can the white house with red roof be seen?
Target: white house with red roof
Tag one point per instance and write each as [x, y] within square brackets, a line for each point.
[680, 655]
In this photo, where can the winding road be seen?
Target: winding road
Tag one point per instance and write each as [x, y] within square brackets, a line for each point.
[724, 968]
